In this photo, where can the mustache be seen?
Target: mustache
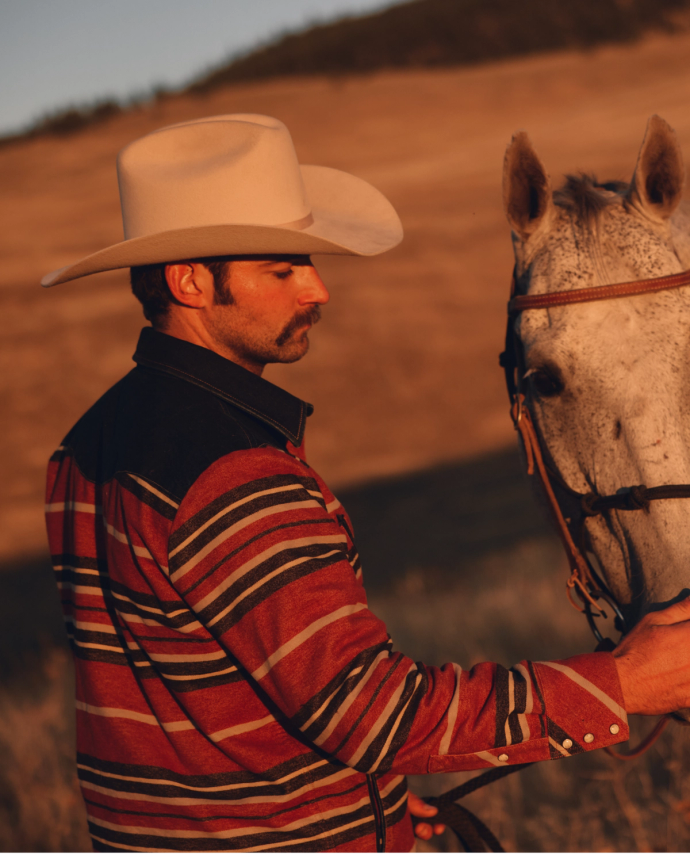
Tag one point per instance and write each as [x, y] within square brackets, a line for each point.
[308, 316]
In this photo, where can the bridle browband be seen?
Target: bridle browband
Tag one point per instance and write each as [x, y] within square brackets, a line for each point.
[589, 295]
[586, 584]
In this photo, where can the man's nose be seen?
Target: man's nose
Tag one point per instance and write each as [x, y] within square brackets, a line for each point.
[312, 289]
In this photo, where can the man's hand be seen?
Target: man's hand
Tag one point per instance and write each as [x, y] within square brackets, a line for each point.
[653, 662]
[420, 809]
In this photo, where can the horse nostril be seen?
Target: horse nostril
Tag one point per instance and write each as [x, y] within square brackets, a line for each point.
[617, 429]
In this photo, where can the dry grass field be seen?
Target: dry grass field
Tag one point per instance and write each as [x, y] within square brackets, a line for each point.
[411, 419]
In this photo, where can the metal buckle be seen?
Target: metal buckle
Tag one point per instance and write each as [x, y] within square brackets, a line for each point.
[619, 620]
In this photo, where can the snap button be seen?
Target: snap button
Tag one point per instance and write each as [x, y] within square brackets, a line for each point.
[589, 738]
[503, 757]
[567, 743]
[614, 729]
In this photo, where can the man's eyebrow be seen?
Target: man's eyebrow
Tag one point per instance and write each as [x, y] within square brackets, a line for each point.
[286, 259]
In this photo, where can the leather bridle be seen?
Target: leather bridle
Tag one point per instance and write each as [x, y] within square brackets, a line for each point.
[588, 587]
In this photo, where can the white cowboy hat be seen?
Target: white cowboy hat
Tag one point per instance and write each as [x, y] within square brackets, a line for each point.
[231, 185]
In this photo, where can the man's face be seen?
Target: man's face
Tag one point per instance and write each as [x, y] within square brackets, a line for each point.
[274, 304]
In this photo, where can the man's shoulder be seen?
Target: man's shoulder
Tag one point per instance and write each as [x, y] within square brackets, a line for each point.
[163, 429]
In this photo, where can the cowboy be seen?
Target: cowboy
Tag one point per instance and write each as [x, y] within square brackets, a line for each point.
[233, 690]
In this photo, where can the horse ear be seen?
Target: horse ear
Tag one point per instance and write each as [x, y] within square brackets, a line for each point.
[657, 184]
[526, 187]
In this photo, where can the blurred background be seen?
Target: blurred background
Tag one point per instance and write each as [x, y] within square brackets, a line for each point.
[411, 426]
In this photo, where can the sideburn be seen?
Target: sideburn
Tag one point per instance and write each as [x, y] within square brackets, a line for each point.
[220, 270]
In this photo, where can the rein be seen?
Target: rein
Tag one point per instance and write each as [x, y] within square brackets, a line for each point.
[589, 588]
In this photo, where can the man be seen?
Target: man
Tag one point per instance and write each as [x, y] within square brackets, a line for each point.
[233, 690]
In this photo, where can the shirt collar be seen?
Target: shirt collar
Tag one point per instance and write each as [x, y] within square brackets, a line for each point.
[225, 379]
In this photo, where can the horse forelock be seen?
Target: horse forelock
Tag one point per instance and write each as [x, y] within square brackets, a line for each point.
[583, 196]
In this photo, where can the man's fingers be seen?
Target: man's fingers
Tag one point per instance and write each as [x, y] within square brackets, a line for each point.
[419, 808]
[423, 831]
[675, 613]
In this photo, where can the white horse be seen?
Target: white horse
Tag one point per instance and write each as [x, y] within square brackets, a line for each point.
[608, 383]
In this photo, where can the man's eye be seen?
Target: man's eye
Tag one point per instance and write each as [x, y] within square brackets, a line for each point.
[283, 274]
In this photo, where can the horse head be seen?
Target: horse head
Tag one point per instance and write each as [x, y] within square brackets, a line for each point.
[607, 382]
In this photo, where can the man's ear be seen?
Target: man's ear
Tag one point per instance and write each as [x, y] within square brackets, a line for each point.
[191, 284]
[657, 184]
[526, 187]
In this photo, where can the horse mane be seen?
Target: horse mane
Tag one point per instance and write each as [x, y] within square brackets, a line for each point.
[585, 197]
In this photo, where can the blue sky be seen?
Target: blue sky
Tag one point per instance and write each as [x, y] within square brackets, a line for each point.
[54, 53]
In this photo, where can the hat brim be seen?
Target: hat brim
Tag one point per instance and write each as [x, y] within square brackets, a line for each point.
[350, 217]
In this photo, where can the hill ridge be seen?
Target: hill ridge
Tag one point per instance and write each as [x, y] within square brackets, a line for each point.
[414, 34]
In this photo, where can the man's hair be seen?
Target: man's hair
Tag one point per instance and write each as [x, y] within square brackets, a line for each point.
[150, 287]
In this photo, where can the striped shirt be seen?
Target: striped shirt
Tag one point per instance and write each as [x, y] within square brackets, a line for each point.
[233, 690]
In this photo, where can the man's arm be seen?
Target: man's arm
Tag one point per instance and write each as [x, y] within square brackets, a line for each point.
[259, 554]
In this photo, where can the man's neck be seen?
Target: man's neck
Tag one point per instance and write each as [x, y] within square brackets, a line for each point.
[193, 331]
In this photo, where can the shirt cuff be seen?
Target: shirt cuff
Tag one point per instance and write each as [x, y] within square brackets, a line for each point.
[575, 705]
[583, 703]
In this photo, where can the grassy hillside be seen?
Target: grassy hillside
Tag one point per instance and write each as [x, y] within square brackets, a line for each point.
[419, 33]
[451, 32]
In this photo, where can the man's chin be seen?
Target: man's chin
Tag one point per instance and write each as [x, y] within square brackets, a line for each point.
[292, 357]
[291, 352]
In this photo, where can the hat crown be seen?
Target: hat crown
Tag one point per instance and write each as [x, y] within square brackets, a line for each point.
[231, 185]
[238, 169]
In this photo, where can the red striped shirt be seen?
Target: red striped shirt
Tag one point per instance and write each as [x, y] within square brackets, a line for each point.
[234, 692]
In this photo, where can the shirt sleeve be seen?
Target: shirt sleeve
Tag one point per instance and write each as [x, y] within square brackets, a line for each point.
[263, 554]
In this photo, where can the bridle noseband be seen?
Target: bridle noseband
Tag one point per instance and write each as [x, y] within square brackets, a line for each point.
[587, 585]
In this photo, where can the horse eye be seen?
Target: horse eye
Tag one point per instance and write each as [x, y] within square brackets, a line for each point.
[546, 382]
